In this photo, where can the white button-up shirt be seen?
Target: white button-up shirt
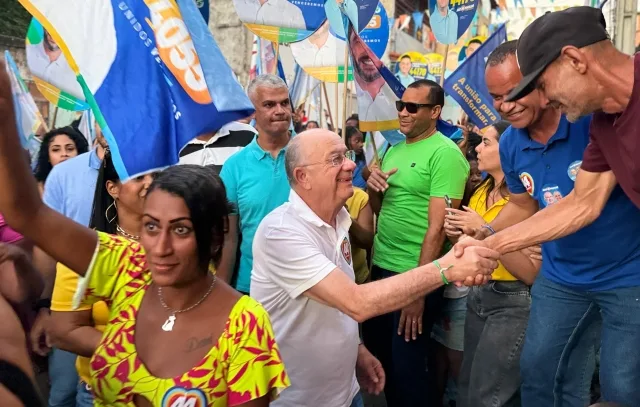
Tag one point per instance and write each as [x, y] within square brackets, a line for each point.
[331, 53]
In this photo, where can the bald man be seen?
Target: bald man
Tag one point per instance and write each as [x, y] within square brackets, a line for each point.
[303, 275]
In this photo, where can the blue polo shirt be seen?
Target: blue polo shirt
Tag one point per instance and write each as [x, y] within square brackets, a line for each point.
[602, 256]
[71, 186]
[256, 184]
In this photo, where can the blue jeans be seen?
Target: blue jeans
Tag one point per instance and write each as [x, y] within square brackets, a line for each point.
[558, 358]
[64, 378]
[496, 322]
[408, 383]
[85, 396]
[357, 401]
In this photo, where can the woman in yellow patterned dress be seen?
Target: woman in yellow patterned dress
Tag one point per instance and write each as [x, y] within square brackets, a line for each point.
[175, 336]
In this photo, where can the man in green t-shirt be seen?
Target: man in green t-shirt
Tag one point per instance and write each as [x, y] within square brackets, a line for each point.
[408, 194]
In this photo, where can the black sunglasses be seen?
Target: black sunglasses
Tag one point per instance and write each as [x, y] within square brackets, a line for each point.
[410, 106]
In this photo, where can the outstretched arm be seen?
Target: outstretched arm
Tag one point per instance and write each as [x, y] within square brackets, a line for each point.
[20, 203]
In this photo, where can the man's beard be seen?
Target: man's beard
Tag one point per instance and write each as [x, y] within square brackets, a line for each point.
[367, 77]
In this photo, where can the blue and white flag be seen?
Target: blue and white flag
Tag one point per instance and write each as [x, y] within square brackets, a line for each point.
[151, 72]
[467, 85]
[303, 86]
[28, 116]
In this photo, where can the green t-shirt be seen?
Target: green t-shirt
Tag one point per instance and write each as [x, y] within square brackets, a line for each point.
[434, 167]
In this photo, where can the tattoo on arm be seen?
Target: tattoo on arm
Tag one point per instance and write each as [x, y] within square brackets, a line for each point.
[194, 343]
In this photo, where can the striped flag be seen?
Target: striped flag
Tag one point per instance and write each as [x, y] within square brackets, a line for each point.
[151, 72]
[28, 116]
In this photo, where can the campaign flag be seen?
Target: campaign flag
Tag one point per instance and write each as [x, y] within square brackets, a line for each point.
[28, 116]
[203, 6]
[268, 59]
[377, 90]
[255, 60]
[151, 72]
[467, 85]
[302, 87]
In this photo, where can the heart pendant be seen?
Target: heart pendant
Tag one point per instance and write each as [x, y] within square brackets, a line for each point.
[168, 324]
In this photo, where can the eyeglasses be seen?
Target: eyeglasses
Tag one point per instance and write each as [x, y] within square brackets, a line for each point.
[410, 106]
[338, 160]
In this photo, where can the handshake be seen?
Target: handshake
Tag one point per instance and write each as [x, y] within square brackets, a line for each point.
[471, 262]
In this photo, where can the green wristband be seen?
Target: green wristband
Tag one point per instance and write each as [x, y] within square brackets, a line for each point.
[441, 270]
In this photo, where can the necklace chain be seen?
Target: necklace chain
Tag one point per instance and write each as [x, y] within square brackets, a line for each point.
[174, 312]
[123, 233]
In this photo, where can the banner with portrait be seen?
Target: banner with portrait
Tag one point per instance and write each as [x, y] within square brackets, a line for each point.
[450, 19]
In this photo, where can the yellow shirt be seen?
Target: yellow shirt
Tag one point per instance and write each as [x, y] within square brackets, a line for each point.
[478, 203]
[62, 301]
[355, 204]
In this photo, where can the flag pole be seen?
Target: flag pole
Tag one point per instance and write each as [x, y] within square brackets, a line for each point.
[326, 98]
[344, 92]
[337, 105]
[55, 116]
[444, 64]
[276, 51]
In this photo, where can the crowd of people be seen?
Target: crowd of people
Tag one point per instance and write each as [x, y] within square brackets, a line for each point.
[287, 266]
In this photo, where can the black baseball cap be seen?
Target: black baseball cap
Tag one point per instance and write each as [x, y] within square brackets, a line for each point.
[542, 41]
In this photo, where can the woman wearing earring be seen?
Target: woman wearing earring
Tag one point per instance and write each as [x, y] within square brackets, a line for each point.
[117, 210]
[58, 146]
[175, 335]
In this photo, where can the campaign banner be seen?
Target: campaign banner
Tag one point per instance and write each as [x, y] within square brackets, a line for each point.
[466, 85]
[450, 19]
[28, 116]
[203, 6]
[322, 54]
[50, 70]
[435, 64]
[281, 21]
[377, 88]
[158, 81]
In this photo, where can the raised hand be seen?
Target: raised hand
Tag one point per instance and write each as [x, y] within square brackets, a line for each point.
[378, 179]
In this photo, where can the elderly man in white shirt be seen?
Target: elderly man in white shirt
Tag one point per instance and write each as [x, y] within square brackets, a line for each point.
[303, 276]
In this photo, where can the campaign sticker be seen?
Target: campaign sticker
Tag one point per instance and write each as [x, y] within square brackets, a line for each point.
[551, 194]
[181, 397]
[345, 248]
[573, 169]
[527, 182]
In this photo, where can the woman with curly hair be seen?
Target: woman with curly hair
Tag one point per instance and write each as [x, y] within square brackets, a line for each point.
[58, 145]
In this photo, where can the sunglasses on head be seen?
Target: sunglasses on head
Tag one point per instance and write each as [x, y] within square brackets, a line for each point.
[410, 106]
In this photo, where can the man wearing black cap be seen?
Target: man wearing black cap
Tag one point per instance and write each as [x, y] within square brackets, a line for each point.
[568, 59]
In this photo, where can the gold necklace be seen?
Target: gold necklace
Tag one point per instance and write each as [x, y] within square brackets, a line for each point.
[122, 232]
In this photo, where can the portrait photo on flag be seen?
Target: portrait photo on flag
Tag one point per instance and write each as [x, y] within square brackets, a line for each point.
[159, 80]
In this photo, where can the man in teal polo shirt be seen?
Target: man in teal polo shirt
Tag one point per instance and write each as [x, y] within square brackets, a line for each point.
[255, 177]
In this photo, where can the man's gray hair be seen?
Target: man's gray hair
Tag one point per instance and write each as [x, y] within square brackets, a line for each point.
[265, 81]
[292, 158]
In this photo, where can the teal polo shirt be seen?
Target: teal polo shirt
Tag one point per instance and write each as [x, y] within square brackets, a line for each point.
[256, 184]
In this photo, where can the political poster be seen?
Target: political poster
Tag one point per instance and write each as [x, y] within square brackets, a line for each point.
[435, 64]
[322, 54]
[451, 18]
[50, 70]
[466, 85]
[281, 21]
[158, 81]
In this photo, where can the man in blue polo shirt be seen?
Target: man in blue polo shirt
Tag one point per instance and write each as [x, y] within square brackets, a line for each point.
[255, 177]
[589, 281]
